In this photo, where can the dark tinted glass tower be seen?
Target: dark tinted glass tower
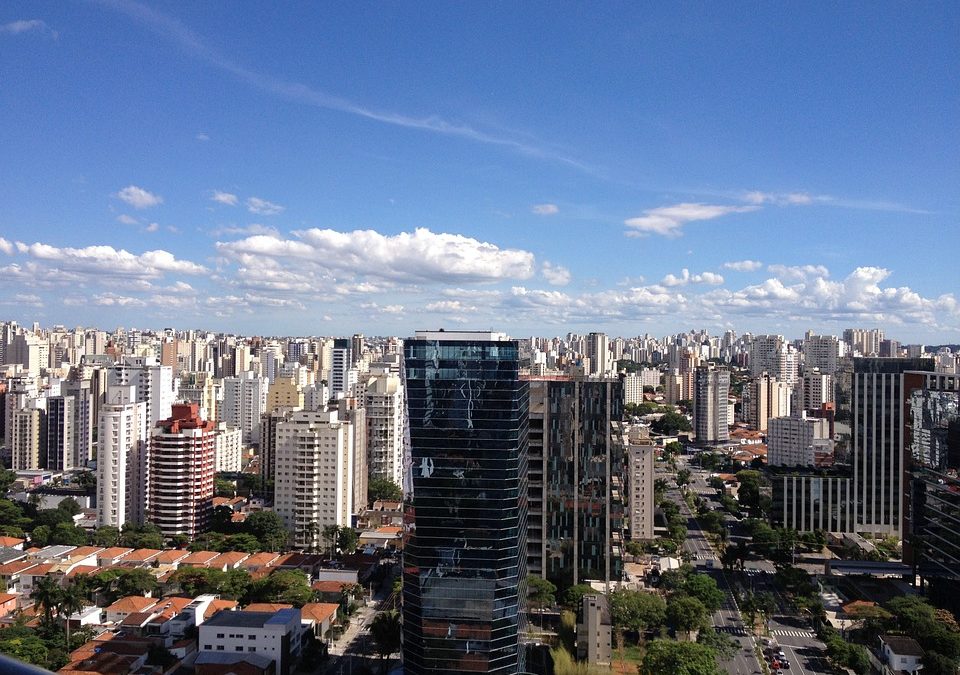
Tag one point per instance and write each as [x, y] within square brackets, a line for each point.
[464, 566]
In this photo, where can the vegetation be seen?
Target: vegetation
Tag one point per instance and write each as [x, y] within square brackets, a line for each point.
[670, 424]
[665, 657]
[383, 489]
[385, 630]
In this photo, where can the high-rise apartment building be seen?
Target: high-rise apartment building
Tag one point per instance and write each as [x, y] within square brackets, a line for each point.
[384, 405]
[26, 438]
[710, 402]
[58, 428]
[640, 485]
[466, 515]
[576, 477]
[598, 351]
[798, 441]
[341, 363]
[244, 401]
[182, 469]
[122, 459]
[83, 419]
[813, 390]
[822, 352]
[314, 474]
[154, 384]
[765, 397]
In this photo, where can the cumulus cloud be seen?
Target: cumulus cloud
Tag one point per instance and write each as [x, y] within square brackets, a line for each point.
[225, 198]
[555, 275]
[420, 255]
[545, 209]
[798, 272]
[6, 246]
[251, 229]
[262, 207]
[743, 265]
[686, 278]
[448, 307]
[28, 26]
[152, 227]
[202, 137]
[668, 221]
[139, 198]
[778, 198]
[124, 219]
[108, 261]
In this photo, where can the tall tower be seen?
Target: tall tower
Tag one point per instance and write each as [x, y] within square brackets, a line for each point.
[877, 453]
[466, 516]
[122, 459]
[182, 467]
[598, 352]
[711, 389]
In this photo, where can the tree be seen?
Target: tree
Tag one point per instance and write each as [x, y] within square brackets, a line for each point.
[46, 593]
[347, 540]
[683, 478]
[68, 534]
[686, 613]
[7, 478]
[385, 630]
[288, 586]
[40, 535]
[137, 581]
[540, 593]
[665, 657]
[329, 535]
[704, 588]
[637, 611]
[71, 600]
[222, 520]
[268, 528]
[105, 536]
[382, 489]
[721, 643]
[86, 480]
[673, 448]
[573, 596]
[243, 542]
[749, 491]
[225, 488]
[670, 423]
[144, 536]
[27, 648]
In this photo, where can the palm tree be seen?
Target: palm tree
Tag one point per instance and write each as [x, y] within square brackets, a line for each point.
[47, 592]
[385, 629]
[72, 599]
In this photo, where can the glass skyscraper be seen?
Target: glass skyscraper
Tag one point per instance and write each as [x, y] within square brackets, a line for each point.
[464, 564]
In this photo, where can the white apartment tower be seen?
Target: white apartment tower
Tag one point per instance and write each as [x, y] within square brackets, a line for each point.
[598, 351]
[765, 397]
[640, 479]
[244, 401]
[314, 474]
[384, 412]
[154, 384]
[814, 389]
[710, 402]
[822, 352]
[122, 459]
[797, 441]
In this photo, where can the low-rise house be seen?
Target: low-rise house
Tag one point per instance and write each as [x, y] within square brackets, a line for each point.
[228, 561]
[382, 537]
[118, 611]
[8, 603]
[171, 558]
[223, 663]
[198, 559]
[901, 654]
[30, 577]
[140, 557]
[10, 574]
[113, 555]
[318, 617]
[12, 542]
[260, 560]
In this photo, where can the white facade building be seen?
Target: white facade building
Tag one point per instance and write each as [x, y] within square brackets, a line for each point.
[122, 459]
[796, 441]
[640, 499]
[314, 474]
[229, 449]
[244, 401]
[384, 403]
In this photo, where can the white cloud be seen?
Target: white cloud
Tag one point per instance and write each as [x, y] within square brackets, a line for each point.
[555, 274]
[107, 261]
[124, 219]
[202, 137]
[449, 307]
[28, 26]
[6, 246]
[743, 265]
[262, 207]
[112, 299]
[225, 198]
[420, 255]
[545, 209]
[778, 198]
[21, 300]
[798, 272]
[152, 227]
[251, 229]
[685, 278]
[139, 198]
[668, 221]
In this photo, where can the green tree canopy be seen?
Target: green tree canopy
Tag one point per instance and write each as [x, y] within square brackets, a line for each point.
[105, 536]
[704, 588]
[666, 657]
[638, 611]
[289, 586]
[268, 528]
[573, 596]
[383, 489]
[540, 592]
[671, 423]
[347, 540]
[686, 613]
[143, 536]
[385, 630]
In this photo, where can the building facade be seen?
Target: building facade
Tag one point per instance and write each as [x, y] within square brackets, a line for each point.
[464, 580]
[122, 454]
[710, 401]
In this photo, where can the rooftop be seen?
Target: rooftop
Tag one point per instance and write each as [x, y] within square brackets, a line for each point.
[248, 619]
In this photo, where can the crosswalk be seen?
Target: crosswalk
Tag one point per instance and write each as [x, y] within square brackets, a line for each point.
[732, 630]
[786, 632]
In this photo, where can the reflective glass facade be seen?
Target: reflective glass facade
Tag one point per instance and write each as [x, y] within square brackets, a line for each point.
[464, 566]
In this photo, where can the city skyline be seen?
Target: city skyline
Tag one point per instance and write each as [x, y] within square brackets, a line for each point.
[323, 171]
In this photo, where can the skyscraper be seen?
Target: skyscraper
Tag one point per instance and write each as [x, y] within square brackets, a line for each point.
[711, 389]
[122, 451]
[877, 453]
[465, 524]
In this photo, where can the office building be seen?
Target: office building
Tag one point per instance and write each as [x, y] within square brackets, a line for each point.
[932, 437]
[878, 456]
[710, 402]
[182, 469]
[58, 429]
[274, 636]
[465, 525]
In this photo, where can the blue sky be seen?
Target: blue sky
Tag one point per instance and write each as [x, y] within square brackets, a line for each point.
[307, 168]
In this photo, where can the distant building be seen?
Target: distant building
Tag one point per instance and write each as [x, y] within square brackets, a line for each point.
[384, 401]
[640, 486]
[710, 401]
[122, 465]
[244, 401]
[798, 441]
[764, 397]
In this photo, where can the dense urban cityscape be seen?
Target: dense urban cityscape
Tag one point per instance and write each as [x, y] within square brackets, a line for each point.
[448, 338]
[464, 501]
